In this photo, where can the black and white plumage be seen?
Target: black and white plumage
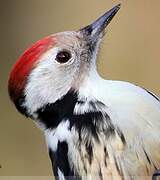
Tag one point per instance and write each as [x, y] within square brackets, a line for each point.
[94, 128]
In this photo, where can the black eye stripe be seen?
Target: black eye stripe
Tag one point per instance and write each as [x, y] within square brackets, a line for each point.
[63, 56]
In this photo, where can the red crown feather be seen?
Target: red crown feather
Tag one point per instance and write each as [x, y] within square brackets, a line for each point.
[25, 64]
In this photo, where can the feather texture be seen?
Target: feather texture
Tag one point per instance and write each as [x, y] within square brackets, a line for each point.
[121, 138]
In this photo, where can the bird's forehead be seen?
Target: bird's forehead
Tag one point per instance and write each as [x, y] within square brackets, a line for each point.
[70, 39]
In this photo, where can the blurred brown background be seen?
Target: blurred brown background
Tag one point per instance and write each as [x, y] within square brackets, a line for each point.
[130, 52]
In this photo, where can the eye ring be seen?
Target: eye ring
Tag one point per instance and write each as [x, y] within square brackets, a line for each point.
[63, 56]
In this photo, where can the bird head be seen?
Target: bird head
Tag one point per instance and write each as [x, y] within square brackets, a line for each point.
[56, 65]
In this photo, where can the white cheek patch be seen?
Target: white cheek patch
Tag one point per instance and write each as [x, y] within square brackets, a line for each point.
[41, 75]
[47, 82]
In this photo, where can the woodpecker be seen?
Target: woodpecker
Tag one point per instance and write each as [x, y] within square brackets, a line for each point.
[94, 128]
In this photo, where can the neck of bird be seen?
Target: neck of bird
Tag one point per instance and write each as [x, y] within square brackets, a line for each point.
[77, 120]
[81, 101]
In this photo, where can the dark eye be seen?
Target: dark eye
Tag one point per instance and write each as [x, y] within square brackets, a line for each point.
[63, 56]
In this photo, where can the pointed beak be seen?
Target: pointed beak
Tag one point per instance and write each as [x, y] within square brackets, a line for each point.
[93, 31]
